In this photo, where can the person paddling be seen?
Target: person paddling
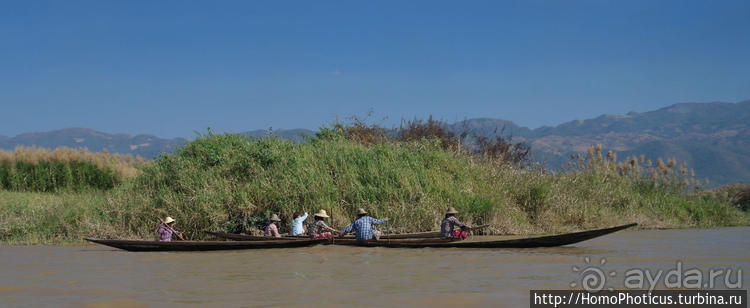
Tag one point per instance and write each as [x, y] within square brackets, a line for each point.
[297, 220]
[448, 225]
[319, 229]
[362, 226]
[166, 230]
[273, 229]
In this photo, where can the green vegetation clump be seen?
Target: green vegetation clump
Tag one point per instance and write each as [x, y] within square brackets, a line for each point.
[67, 216]
[233, 183]
[736, 194]
[41, 170]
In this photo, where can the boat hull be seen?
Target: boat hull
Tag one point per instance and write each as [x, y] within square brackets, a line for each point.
[243, 243]
[532, 242]
[136, 245]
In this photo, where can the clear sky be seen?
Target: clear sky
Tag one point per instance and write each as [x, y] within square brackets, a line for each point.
[174, 67]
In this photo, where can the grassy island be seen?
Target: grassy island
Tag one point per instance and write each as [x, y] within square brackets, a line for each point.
[229, 182]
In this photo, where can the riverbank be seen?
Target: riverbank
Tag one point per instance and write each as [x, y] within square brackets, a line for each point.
[232, 183]
[66, 218]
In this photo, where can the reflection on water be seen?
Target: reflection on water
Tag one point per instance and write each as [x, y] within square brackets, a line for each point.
[97, 276]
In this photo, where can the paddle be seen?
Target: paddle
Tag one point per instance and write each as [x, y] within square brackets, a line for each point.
[387, 231]
[388, 237]
[170, 228]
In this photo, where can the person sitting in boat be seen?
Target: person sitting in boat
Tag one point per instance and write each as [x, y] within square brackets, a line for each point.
[450, 222]
[166, 230]
[297, 220]
[273, 229]
[319, 229]
[362, 226]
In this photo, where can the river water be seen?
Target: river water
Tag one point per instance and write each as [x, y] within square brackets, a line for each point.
[342, 276]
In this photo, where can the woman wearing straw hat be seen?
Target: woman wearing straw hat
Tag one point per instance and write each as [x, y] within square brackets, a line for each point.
[166, 230]
[297, 220]
[272, 229]
[449, 223]
[319, 229]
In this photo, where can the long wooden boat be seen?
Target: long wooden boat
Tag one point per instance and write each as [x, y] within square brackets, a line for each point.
[532, 242]
[246, 237]
[136, 245]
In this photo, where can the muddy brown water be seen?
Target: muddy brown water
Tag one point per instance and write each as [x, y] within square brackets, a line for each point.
[341, 276]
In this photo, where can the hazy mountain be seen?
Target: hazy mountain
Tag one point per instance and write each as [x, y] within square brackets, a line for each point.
[144, 145]
[713, 138]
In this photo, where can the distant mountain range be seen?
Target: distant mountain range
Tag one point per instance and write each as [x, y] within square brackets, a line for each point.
[148, 146]
[713, 138]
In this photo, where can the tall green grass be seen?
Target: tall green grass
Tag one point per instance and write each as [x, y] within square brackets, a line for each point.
[233, 183]
[32, 217]
[53, 176]
[42, 170]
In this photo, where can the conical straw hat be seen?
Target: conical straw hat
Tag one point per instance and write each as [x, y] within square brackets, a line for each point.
[322, 213]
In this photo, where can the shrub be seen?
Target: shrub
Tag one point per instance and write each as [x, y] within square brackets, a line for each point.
[417, 129]
[38, 169]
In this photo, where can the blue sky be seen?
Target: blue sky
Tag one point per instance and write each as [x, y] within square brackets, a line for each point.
[174, 67]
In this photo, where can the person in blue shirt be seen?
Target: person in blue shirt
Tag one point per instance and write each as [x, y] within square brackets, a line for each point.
[298, 219]
[362, 226]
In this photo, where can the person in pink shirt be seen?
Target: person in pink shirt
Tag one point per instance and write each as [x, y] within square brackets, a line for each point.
[272, 229]
[166, 230]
